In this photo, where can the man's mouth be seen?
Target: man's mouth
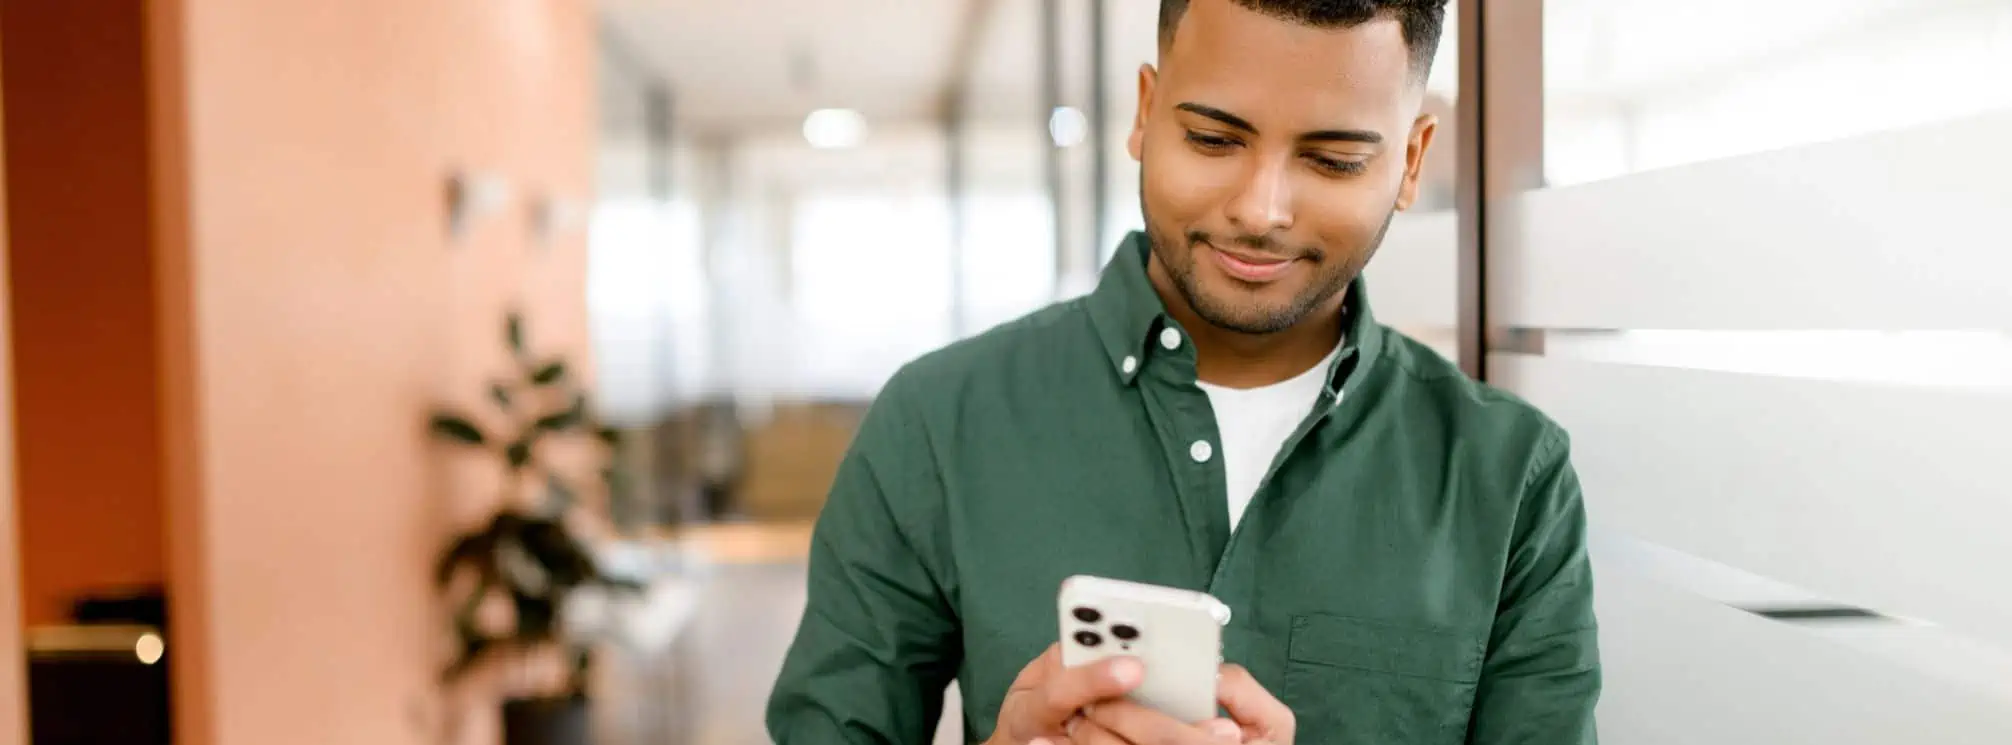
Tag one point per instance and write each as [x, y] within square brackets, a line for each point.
[1253, 268]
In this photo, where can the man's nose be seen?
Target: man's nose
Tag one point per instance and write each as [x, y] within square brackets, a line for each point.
[1264, 200]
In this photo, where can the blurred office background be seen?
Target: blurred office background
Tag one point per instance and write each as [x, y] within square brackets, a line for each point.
[1753, 254]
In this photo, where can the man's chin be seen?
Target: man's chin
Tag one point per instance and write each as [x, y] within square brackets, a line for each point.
[1246, 300]
[1243, 317]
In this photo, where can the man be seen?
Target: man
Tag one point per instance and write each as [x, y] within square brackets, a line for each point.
[1402, 548]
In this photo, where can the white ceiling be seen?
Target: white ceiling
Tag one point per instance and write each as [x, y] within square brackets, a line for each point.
[730, 62]
[1005, 76]
[735, 64]
[1005, 81]
[738, 64]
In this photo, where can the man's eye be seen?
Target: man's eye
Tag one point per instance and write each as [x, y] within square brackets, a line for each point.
[1337, 166]
[1210, 142]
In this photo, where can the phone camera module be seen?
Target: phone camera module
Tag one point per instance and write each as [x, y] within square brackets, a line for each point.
[1125, 632]
[1087, 615]
[1088, 638]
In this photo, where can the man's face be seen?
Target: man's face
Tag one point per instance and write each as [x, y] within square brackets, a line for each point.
[1273, 156]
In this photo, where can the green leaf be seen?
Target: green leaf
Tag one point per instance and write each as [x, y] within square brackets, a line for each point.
[470, 651]
[626, 584]
[565, 420]
[558, 553]
[583, 664]
[471, 549]
[513, 332]
[552, 372]
[519, 453]
[457, 428]
[472, 643]
[537, 617]
[617, 482]
[559, 497]
[500, 394]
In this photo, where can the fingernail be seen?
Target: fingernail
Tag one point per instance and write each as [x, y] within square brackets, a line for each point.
[1127, 671]
[1223, 730]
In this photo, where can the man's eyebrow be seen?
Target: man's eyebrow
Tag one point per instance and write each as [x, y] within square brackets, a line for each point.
[1343, 135]
[1324, 135]
[1218, 115]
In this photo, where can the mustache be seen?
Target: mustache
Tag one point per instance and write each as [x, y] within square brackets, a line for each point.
[1263, 245]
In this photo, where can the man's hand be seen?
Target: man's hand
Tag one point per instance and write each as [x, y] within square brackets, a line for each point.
[1259, 719]
[1261, 716]
[1049, 704]
[1046, 696]
[1127, 723]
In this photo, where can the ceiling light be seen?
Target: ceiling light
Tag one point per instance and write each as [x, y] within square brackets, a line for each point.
[149, 648]
[1067, 126]
[834, 128]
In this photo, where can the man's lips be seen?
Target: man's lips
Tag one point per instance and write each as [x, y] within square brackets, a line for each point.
[1252, 268]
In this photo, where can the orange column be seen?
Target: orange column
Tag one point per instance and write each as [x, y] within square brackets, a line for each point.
[13, 699]
[81, 301]
[314, 306]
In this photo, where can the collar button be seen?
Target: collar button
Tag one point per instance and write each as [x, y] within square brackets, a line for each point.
[1201, 451]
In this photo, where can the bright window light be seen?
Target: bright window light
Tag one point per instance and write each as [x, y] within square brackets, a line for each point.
[834, 128]
[1067, 126]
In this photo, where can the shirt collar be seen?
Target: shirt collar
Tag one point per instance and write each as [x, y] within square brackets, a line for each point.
[1128, 315]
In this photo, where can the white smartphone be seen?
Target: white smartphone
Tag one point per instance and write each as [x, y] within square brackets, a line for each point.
[1176, 633]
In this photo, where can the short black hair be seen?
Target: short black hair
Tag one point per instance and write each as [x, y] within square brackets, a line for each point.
[1423, 20]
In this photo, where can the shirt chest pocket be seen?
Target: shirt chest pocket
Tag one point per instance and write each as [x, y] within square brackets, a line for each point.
[1352, 680]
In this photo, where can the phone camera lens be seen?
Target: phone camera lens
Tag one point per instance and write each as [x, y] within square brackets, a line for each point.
[1124, 632]
[1088, 638]
[1087, 615]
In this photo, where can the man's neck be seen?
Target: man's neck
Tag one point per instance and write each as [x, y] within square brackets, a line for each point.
[1237, 360]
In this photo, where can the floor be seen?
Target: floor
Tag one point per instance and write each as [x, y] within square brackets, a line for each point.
[711, 685]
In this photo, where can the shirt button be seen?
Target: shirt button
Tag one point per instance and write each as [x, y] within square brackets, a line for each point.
[1201, 451]
[1170, 339]
[1131, 365]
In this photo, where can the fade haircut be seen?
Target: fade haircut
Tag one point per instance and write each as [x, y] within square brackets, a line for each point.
[1422, 20]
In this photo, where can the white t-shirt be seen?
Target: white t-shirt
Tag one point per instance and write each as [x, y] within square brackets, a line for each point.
[1255, 422]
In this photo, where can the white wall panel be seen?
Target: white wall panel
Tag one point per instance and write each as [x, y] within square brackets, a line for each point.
[1888, 497]
[1683, 670]
[1414, 279]
[1901, 230]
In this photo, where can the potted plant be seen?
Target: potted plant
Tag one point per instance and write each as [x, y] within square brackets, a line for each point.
[525, 561]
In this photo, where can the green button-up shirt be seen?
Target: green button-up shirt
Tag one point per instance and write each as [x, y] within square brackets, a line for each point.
[1411, 571]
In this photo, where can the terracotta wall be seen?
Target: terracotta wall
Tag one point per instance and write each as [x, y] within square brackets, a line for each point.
[322, 306]
[82, 303]
[13, 700]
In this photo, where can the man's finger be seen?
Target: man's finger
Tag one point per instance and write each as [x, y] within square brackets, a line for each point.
[1251, 705]
[1038, 671]
[1224, 730]
[1069, 689]
[1138, 724]
[1087, 732]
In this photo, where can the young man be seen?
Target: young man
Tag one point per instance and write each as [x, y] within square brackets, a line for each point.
[1403, 548]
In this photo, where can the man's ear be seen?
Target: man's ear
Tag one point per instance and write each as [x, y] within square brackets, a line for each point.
[1415, 148]
[1148, 79]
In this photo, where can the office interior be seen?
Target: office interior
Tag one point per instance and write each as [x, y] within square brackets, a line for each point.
[273, 269]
